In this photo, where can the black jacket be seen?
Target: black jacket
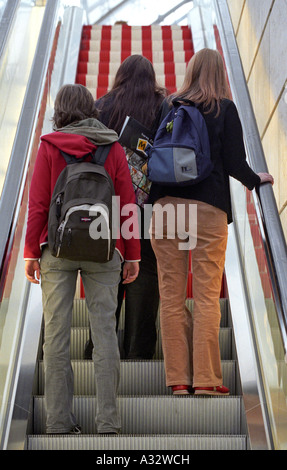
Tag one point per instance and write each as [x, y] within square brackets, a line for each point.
[229, 159]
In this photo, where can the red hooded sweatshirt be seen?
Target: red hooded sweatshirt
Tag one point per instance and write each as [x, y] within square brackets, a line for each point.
[48, 166]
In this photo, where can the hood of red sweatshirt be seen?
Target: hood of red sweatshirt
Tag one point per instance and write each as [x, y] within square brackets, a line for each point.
[81, 137]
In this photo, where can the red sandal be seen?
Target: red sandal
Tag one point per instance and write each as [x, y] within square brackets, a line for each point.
[220, 390]
[181, 389]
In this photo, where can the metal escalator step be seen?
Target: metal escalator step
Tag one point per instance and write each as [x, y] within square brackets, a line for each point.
[81, 317]
[136, 378]
[80, 335]
[159, 415]
[151, 442]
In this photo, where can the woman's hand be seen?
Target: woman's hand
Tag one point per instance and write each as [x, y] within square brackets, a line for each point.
[32, 270]
[266, 178]
[130, 271]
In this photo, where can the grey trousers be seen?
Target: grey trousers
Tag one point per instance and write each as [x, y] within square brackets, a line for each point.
[58, 282]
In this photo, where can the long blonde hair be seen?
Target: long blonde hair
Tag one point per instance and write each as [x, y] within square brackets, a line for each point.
[205, 80]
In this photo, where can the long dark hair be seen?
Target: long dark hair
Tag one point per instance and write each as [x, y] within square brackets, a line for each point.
[73, 103]
[135, 93]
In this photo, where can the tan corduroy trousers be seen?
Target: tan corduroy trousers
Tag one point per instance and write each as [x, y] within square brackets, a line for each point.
[190, 342]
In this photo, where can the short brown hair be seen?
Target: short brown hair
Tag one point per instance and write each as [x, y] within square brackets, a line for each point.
[73, 103]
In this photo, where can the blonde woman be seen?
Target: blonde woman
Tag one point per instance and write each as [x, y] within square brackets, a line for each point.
[191, 347]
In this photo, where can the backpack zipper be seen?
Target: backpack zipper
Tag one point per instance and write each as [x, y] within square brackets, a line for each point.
[60, 229]
[58, 205]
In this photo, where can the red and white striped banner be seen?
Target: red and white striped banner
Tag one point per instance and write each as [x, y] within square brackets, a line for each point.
[103, 49]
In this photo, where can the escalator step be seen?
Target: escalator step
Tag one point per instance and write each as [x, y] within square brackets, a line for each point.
[80, 313]
[151, 442]
[159, 415]
[80, 335]
[136, 378]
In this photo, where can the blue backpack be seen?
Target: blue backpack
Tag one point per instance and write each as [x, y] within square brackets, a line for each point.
[180, 154]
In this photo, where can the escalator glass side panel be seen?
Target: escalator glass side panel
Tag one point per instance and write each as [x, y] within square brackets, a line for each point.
[15, 67]
[12, 312]
[263, 317]
[2, 7]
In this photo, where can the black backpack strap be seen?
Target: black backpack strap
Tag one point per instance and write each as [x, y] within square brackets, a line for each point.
[72, 159]
[99, 156]
[101, 153]
[179, 101]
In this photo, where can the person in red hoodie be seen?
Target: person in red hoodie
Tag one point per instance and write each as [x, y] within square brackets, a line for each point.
[78, 132]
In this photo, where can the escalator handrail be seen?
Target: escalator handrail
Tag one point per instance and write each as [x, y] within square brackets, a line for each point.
[274, 239]
[15, 175]
[6, 23]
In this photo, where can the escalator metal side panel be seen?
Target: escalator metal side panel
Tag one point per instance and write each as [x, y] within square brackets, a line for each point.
[24, 376]
[257, 422]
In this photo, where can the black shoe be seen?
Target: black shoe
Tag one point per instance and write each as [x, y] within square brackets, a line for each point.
[88, 351]
[75, 430]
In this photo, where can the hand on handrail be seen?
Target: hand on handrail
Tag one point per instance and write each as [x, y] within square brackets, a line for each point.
[266, 178]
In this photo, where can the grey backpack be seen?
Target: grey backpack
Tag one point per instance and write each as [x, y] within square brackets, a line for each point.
[80, 225]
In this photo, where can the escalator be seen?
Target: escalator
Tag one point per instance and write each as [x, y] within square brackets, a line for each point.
[251, 334]
[150, 415]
